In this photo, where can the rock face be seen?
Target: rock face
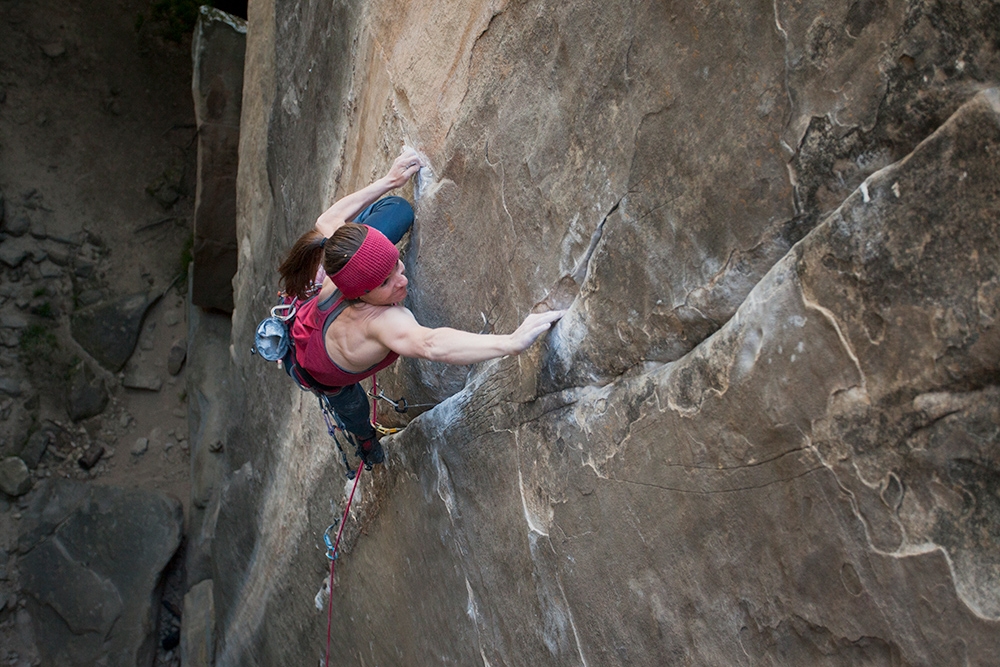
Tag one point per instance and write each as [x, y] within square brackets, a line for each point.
[217, 86]
[766, 430]
[90, 559]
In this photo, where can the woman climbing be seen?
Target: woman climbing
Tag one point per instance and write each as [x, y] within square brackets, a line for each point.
[350, 322]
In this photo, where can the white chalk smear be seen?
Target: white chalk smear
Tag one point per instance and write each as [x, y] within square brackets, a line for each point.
[425, 175]
[321, 594]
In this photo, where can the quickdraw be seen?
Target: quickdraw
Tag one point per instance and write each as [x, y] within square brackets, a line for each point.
[401, 405]
[331, 551]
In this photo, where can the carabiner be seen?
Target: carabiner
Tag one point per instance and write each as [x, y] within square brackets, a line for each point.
[287, 308]
[330, 553]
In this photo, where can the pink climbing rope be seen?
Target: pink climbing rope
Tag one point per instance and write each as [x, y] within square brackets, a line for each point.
[329, 601]
[340, 531]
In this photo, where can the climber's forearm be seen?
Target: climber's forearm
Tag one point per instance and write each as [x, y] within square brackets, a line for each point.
[349, 207]
[397, 329]
[453, 346]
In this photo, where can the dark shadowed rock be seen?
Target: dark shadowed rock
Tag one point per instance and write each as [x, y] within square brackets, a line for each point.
[109, 330]
[53, 49]
[142, 378]
[10, 387]
[16, 224]
[87, 394]
[92, 557]
[14, 477]
[218, 47]
[34, 449]
[176, 356]
[13, 251]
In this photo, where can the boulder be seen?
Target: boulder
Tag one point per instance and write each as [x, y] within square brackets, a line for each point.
[15, 427]
[13, 320]
[10, 387]
[109, 330]
[92, 559]
[87, 394]
[49, 270]
[34, 449]
[15, 480]
[58, 253]
[176, 356]
[140, 447]
[17, 224]
[13, 251]
[139, 378]
[53, 49]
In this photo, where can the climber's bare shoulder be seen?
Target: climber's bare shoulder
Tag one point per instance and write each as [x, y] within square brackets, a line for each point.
[397, 329]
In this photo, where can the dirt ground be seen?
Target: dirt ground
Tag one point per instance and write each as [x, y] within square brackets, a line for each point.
[97, 158]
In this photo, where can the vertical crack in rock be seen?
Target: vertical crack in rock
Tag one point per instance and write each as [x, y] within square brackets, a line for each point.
[563, 295]
[583, 265]
[496, 11]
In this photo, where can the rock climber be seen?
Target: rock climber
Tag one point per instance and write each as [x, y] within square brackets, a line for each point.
[351, 322]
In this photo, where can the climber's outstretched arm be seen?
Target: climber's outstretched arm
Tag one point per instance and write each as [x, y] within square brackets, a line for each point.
[397, 329]
[349, 207]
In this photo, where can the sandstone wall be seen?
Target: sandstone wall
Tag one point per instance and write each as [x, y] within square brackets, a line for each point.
[766, 430]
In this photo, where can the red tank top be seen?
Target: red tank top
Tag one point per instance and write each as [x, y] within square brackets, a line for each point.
[312, 319]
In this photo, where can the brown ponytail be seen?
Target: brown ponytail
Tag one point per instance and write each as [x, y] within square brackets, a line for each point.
[299, 268]
[342, 246]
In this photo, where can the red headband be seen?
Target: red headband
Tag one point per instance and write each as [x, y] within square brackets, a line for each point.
[368, 267]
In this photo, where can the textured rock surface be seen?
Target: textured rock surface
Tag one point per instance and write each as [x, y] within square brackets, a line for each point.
[91, 558]
[217, 85]
[766, 430]
[198, 631]
[208, 382]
